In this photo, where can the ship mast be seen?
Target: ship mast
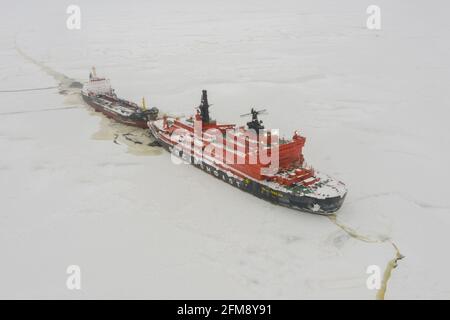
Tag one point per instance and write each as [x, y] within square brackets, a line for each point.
[204, 107]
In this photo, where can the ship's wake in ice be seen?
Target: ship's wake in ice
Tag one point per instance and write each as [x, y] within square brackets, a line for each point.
[392, 264]
[27, 89]
[38, 110]
[138, 141]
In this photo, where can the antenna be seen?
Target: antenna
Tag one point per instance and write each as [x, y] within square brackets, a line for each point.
[144, 107]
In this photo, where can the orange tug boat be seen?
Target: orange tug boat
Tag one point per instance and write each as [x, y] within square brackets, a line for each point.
[252, 159]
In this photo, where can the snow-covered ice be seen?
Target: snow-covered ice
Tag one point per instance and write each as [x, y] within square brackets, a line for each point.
[75, 190]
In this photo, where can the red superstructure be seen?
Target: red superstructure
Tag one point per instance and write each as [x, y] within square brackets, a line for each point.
[243, 155]
[253, 159]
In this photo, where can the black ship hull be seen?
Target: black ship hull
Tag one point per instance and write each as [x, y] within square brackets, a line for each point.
[135, 120]
[303, 203]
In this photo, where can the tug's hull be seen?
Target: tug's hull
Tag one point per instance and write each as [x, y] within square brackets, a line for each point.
[134, 120]
[303, 203]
